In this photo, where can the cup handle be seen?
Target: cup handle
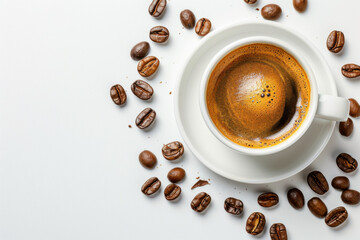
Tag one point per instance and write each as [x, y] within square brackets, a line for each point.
[333, 108]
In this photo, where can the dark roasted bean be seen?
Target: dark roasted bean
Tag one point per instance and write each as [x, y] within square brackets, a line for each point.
[318, 182]
[346, 128]
[200, 202]
[176, 175]
[354, 108]
[278, 232]
[142, 89]
[151, 186]
[145, 118]
[317, 207]
[300, 5]
[346, 162]
[296, 198]
[336, 217]
[140, 50]
[203, 27]
[148, 66]
[187, 19]
[233, 206]
[173, 150]
[335, 42]
[271, 12]
[350, 70]
[250, 1]
[269, 199]
[147, 159]
[172, 192]
[159, 34]
[340, 183]
[118, 94]
[255, 223]
[350, 196]
[157, 8]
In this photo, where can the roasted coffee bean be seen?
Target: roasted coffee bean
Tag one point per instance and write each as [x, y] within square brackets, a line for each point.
[187, 19]
[340, 183]
[148, 66]
[147, 159]
[346, 162]
[200, 183]
[255, 223]
[173, 150]
[278, 232]
[250, 1]
[172, 191]
[157, 8]
[176, 175]
[159, 34]
[335, 42]
[354, 108]
[296, 198]
[271, 12]
[200, 202]
[318, 182]
[203, 27]
[269, 199]
[317, 207]
[300, 5]
[233, 206]
[142, 89]
[145, 118]
[140, 50]
[350, 70]
[151, 186]
[350, 196]
[336, 217]
[118, 94]
[346, 128]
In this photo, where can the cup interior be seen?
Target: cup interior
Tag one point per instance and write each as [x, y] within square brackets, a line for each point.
[291, 139]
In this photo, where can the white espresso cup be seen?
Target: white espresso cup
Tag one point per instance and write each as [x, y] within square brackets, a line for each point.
[331, 108]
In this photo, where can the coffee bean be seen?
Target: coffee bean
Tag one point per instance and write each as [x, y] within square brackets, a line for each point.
[118, 94]
[151, 186]
[271, 12]
[142, 89]
[173, 150]
[340, 183]
[296, 198]
[159, 34]
[200, 202]
[346, 162]
[255, 223]
[172, 191]
[147, 159]
[157, 8]
[350, 70]
[176, 175]
[203, 27]
[278, 232]
[336, 217]
[269, 199]
[354, 108]
[233, 206]
[250, 1]
[317, 207]
[335, 42]
[350, 196]
[300, 5]
[145, 118]
[148, 66]
[140, 50]
[318, 182]
[187, 19]
[346, 128]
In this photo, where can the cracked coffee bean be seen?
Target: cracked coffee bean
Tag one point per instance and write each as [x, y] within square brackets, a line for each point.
[118, 94]
[142, 90]
[255, 223]
[318, 182]
[296, 198]
[269, 199]
[233, 206]
[336, 217]
[278, 232]
[201, 202]
[145, 118]
[203, 27]
[172, 192]
[300, 5]
[151, 186]
[159, 34]
[350, 196]
[271, 12]
[250, 1]
[350, 70]
[335, 42]
[346, 162]
[157, 8]
[173, 150]
[187, 19]
[140, 50]
[148, 66]
[354, 108]
[346, 128]
[317, 207]
[340, 183]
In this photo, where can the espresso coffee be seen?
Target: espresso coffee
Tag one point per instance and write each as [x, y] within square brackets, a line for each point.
[258, 95]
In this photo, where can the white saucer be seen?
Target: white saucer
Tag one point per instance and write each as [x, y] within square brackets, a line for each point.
[214, 154]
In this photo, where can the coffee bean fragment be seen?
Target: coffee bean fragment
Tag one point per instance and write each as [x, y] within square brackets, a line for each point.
[145, 118]
[269, 199]
[173, 150]
[118, 94]
[335, 41]
[350, 70]
[233, 206]
[271, 12]
[142, 89]
[200, 183]
[255, 223]
[157, 8]
[296, 198]
[151, 186]
[300, 5]
[140, 50]
[317, 207]
[148, 66]
[159, 34]
[250, 1]
[346, 128]
[203, 27]
[350, 196]
[354, 108]
[336, 217]
[172, 192]
[187, 19]
[147, 159]
[278, 232]
[346, 162]
[200, 202]
[176, 175]
[340, 183]
[317, 182]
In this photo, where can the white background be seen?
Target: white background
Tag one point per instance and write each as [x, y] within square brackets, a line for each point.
[68, 160]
